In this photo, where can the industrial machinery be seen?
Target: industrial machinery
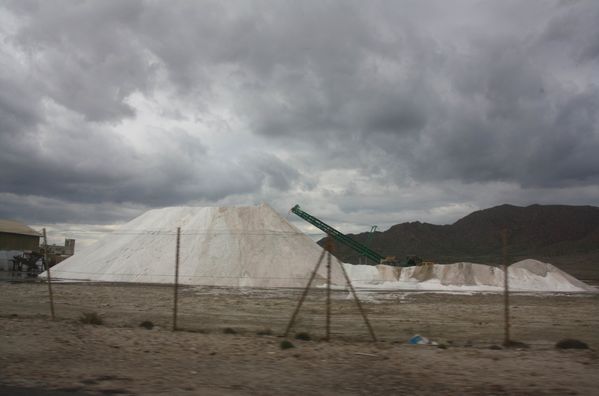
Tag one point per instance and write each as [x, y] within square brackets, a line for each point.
[358, 247]
[31, 263]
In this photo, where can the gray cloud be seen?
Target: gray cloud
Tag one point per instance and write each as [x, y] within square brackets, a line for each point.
[19, 108]
[48, 210]
[144, 104]
[100, 167]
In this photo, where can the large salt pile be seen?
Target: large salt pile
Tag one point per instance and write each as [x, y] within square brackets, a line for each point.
[254, 246]
[221, 246]
[525, 275]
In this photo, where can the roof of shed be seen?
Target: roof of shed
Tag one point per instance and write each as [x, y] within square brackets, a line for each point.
[14, 227]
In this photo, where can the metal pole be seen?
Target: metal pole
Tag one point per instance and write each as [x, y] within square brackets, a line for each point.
[304, 294]
[176, 279]
[329, 246]
[506, 289]
[49, 276]
[362, 312]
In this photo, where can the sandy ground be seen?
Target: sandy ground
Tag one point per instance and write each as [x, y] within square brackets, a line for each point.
[121, 357]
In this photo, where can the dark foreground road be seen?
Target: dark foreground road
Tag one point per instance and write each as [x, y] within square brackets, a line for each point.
[14, 391]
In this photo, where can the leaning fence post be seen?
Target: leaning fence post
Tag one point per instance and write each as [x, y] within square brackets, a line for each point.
[353, 292]
[48, 274]
[329, 247]
[304, 294]
[176, 279]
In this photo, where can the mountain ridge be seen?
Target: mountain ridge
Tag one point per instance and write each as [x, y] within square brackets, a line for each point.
[565, 235]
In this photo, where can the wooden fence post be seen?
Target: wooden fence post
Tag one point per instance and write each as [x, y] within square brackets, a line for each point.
[49, 276]
[176, 279]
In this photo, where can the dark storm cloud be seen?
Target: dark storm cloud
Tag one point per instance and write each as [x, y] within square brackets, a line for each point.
[100, 167]
[418, 92]
[85, 55]
[510, 107]
[46, 210]
[87, 58]
[517, 119]
[19, 108]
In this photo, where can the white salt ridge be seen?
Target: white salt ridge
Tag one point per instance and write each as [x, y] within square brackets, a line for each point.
[220, 246]
[526, 275]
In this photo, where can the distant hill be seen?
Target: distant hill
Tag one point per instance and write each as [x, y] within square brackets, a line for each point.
[567, 236]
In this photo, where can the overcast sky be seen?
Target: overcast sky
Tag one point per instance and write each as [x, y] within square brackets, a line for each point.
[365, 112]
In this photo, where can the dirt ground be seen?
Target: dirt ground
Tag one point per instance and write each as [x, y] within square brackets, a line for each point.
[230, 342]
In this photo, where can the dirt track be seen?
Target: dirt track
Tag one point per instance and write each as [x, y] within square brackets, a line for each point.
[119, 356]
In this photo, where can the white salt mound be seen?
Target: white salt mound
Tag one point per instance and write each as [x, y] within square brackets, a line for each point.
[525, 275]
[220, 246]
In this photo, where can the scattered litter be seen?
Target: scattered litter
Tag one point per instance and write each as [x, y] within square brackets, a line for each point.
[420, 340]
[303, 336]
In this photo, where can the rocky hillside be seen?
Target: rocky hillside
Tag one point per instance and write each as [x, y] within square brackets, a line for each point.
[564, 235]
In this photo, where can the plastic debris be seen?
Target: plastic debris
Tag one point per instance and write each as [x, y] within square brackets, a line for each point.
[420, 340]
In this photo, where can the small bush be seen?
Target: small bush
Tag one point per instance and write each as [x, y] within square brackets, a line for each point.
[442, 346]
[228, 330]
[264, 332]
[286, 344]
[147, 324]
[570, 343]
[303, 336]
[91, 318]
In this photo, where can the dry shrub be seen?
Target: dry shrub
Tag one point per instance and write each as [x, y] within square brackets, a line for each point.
[147, 324]
[570, 343]
[91, 318]
[286, 344]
